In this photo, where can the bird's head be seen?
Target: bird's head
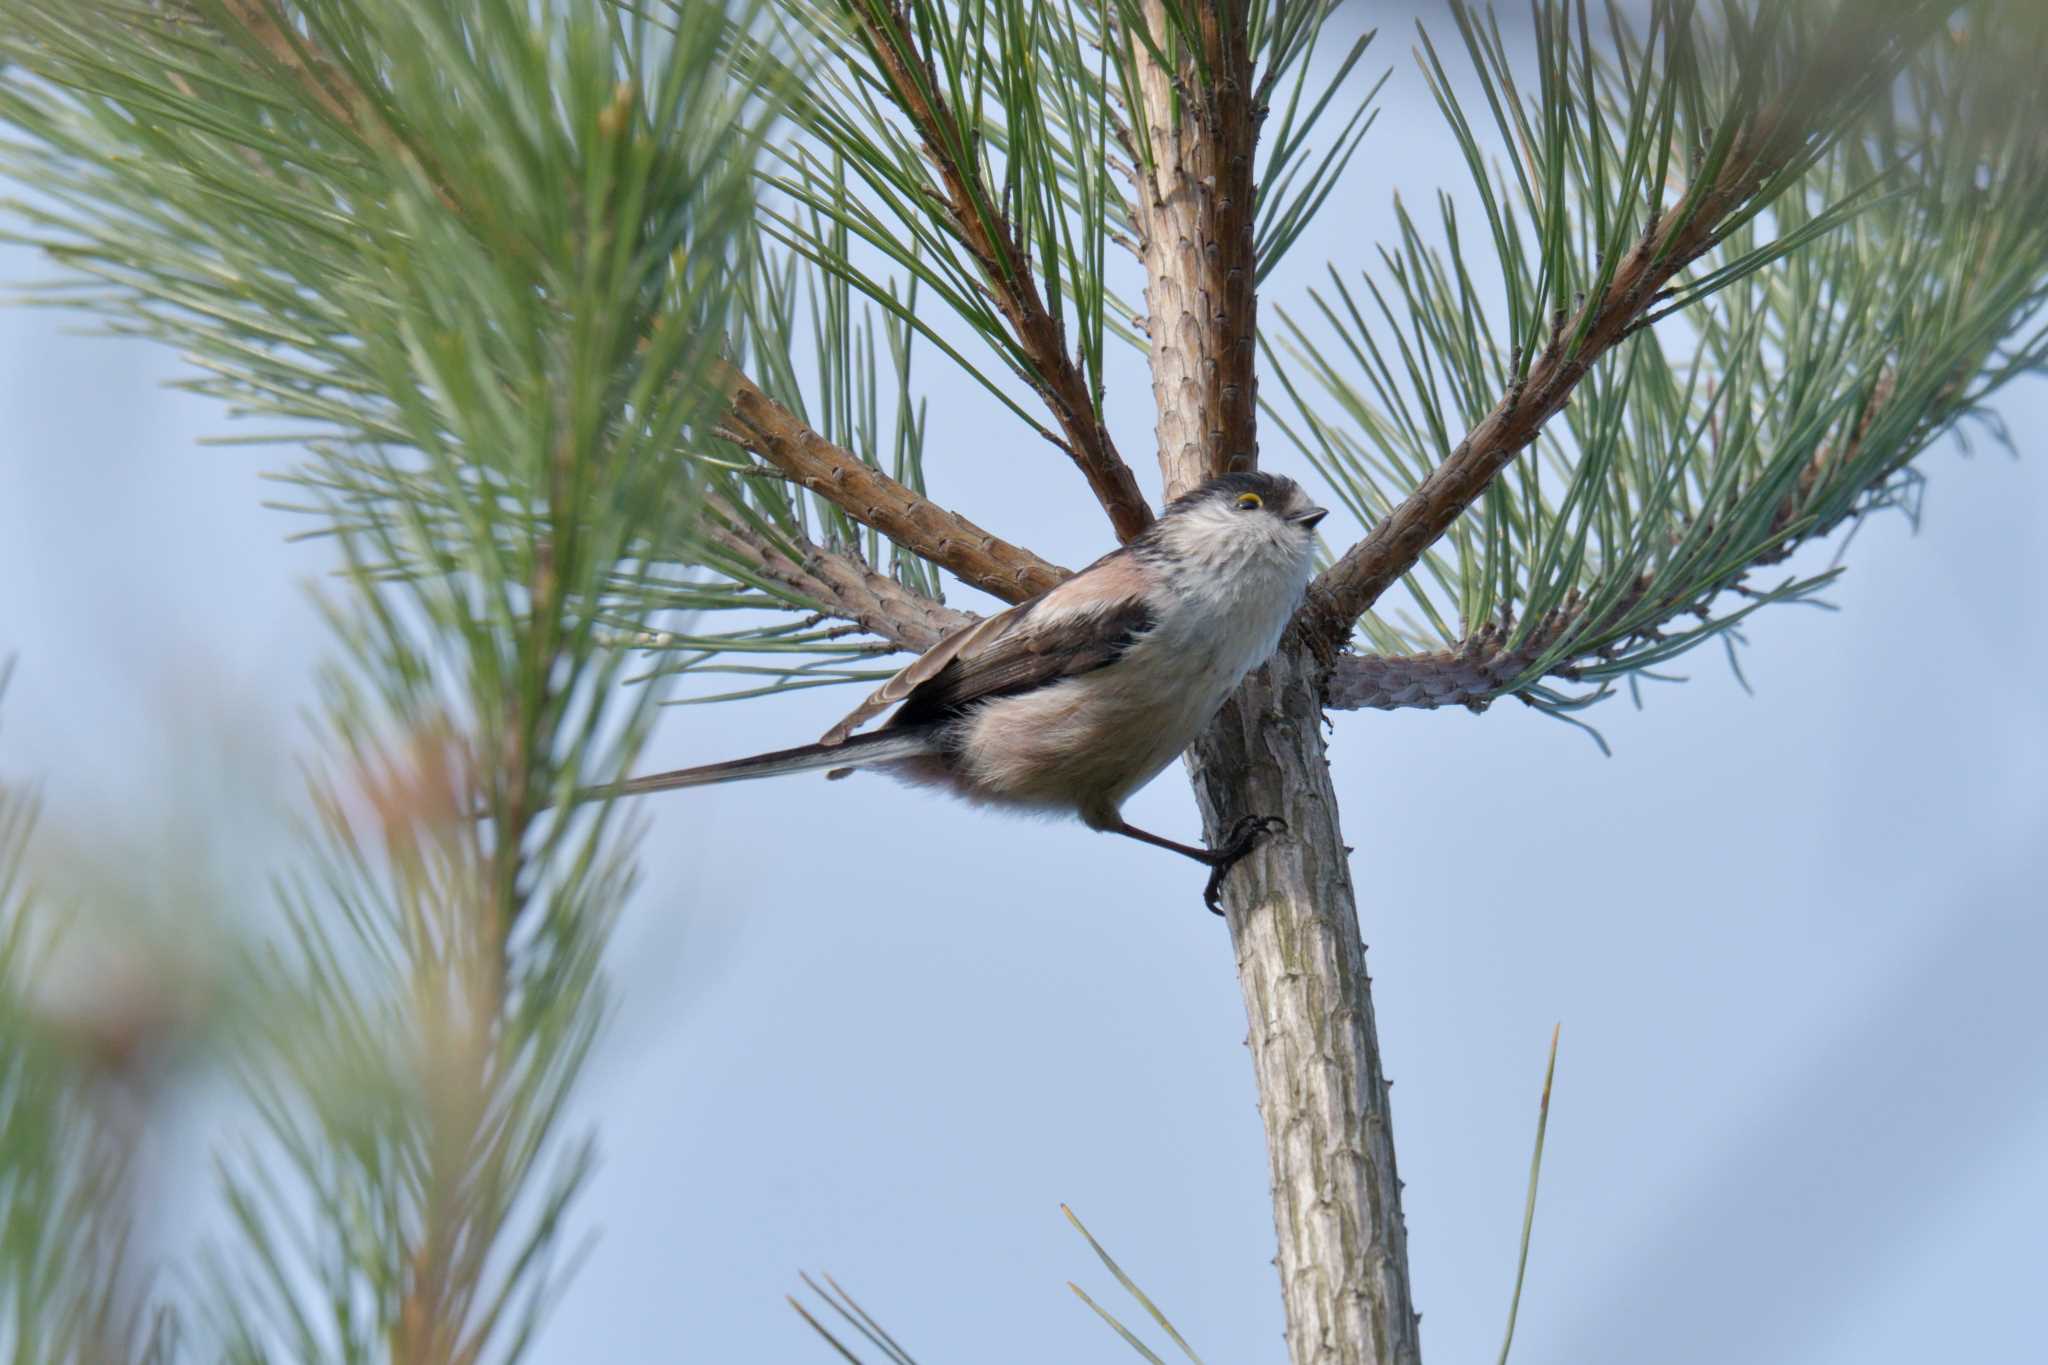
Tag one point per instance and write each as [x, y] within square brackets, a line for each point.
[1240, 521]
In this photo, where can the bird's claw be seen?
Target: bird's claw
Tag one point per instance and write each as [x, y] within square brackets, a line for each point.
[1243, 838]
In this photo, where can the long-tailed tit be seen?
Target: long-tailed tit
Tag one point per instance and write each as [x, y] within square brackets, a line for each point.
[1074, 699]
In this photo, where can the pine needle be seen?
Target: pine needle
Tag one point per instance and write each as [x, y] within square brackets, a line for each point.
[1529, 1208]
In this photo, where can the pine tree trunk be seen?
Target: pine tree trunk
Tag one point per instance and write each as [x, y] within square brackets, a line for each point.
[1343, 1247]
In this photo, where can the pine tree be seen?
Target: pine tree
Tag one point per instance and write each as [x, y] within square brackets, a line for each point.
[595, 323]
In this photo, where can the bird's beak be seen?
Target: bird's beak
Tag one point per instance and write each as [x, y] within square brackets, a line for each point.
[1309, 516]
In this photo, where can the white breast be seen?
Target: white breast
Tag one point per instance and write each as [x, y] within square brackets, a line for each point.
[1087, 743]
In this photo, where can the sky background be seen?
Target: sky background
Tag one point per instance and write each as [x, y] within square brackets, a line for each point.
[1794, 939]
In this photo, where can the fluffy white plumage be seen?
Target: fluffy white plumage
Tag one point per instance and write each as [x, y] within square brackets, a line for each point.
[1220, 585]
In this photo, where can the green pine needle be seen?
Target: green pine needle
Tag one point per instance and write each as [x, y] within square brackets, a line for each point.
[1131, 1288]
[1129, 1337]
[1529, 1206]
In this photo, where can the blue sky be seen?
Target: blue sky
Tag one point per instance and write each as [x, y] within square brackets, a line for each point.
[1793, 938]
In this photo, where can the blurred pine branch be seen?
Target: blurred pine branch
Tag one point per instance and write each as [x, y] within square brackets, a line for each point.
[71, 1292]
[498, 356]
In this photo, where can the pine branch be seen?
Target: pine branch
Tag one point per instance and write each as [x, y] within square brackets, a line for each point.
[872, 498]
[1752, 158]
[1497, 660]
[988, 234]
[1809, 389]
[78, 1090]
[835, 583]
[501, 395]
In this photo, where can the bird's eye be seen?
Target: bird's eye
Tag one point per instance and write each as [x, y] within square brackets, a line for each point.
[1249, 502]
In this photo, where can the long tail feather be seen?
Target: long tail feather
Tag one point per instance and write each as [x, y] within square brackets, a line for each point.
[857, 752]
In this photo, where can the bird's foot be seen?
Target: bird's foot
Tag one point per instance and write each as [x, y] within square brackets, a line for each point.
[1243, 838]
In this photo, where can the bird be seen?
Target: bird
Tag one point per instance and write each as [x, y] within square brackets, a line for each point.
[1071, 700]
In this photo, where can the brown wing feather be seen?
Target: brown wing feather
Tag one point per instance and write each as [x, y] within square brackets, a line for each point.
[1082, 624]
[1027, 658]
[922, 669]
